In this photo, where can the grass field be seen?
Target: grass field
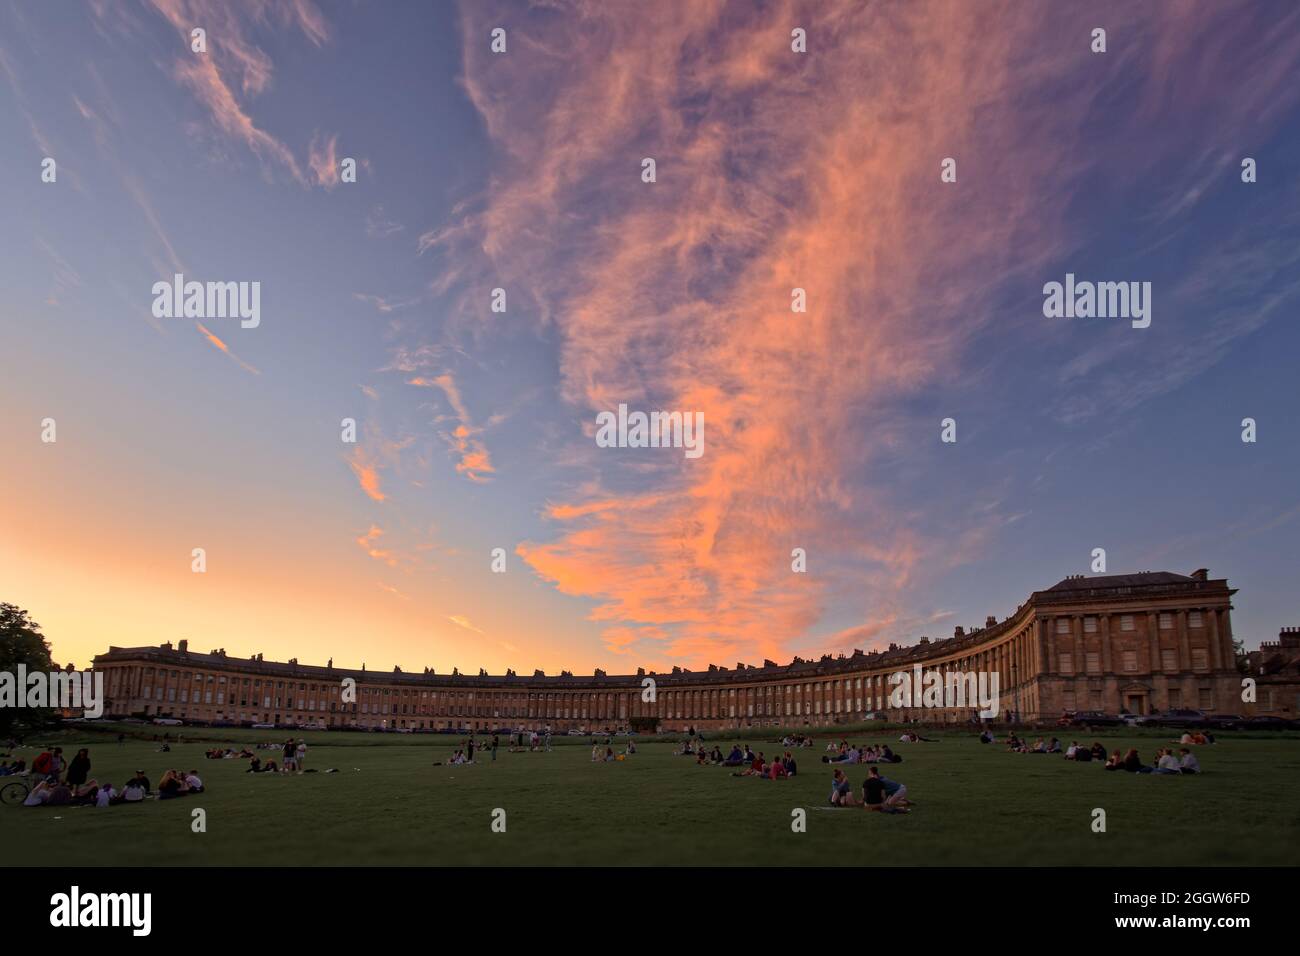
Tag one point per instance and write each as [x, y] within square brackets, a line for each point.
[975, 805]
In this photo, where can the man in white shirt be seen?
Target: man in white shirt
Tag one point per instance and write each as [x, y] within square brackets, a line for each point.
[1189, 763]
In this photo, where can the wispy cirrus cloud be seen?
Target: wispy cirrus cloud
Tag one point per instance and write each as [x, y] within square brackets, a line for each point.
[473, 459]
[776, 171]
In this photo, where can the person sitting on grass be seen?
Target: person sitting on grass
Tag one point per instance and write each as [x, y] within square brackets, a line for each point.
[882, 795]
[888, 756]
[609, 753]
[194, 782]
[1013, 743]
[595, 753]
[1188, 762]
[1039, 747]
[986, 736]
[841, 790]
[895, 793]
[1133, 763]
[749, 754]
[1071, 752]
[791, 768]
[106, 795]
[1098, 751]
[1166, 762]
[1115, 761]
[849, 755]
[756, 766]
[631, 747]
[170, 786]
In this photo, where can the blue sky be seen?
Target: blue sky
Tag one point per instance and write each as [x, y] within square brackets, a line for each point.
[522, 171]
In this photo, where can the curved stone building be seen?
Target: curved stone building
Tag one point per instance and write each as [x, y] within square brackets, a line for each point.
[1135, 642]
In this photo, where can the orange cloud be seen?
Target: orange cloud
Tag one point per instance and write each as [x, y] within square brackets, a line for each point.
[367, 543]
[367, 472]
[225, 348]
[818, 172]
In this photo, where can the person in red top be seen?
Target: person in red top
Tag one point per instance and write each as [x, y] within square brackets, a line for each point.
[43, 765]
[777, 770]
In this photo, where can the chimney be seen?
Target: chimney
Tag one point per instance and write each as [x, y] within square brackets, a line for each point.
[1201, 574]
[183, 646]
[990, 621]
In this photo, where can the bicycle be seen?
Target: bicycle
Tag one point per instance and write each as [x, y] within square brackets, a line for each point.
[13, 793]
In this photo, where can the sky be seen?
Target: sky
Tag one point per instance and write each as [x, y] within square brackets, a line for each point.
[523, 171]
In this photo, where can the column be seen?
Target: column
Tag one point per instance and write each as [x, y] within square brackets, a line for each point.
[1184, 645]
[1103, 631]
[1211, 619]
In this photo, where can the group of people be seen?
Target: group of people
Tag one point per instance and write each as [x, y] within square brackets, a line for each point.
[71, 785]
[530, 741]
[606, 752]
[778, 768]
[879, 793]
[796, 740]
[852, 753]
[1016, 745]
[226, 753]
[1082, 754]
[1166, 762]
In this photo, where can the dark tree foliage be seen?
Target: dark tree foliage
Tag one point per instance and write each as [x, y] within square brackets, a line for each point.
[21, 643]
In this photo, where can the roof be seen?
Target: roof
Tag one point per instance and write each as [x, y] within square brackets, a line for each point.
[1141, 579]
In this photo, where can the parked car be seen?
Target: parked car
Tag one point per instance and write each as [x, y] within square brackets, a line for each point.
[1095, 718]
[1179, 718]
[1267, 722]
[264, 726]
[168, 722]
[1225, 721]
[875, 715]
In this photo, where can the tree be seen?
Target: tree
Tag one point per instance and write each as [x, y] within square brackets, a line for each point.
[21, 643]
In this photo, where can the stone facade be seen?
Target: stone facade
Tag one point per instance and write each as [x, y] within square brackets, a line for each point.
[1275, 668]
[1137, 643]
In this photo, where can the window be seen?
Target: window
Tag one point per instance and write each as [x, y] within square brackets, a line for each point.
[1130, 661]
[1062, 625]
[1126, 622]
[1067, 699]
[1175, 698]
[1206, 698]
[1200, 660]
[1166, 621]
[1067, 662]
[1090, 625]
[1194, 619]
[1168, 660]
[1093, 660]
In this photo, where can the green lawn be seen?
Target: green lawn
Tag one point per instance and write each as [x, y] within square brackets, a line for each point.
[975, 805]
